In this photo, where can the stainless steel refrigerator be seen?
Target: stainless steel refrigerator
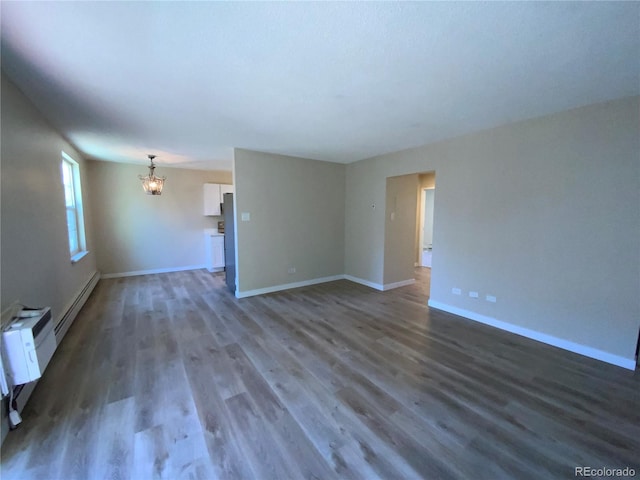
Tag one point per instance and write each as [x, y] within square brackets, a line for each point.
[229, 242]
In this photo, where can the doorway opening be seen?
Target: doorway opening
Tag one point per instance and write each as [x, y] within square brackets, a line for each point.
[409, 245]
[425, 233]
[424, 228]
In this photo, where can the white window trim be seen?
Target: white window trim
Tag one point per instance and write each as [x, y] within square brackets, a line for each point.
[79, 211]
[79, 256]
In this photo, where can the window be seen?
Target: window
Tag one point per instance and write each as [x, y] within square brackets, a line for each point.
[73, 203]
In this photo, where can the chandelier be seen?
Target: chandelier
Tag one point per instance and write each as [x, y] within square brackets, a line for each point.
[151, 184]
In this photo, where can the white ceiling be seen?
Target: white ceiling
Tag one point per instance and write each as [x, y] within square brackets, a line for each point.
[328, 81]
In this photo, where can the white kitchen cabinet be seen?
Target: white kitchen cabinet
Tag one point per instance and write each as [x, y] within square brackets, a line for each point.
[217, 251]
[214, 246]
[213, 197]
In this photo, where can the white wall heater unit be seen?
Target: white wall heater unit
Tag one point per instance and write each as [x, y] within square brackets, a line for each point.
[29, 344]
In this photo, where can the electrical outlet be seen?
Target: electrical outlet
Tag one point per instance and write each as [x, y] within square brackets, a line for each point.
[473, 294]
[291, 270]
[490, 298]
[456, 291]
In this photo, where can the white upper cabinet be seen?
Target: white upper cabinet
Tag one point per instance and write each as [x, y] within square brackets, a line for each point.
[212, 199]
[213, 193]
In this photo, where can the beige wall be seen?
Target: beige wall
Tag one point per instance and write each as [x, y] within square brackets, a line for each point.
[365, 221]
[543, 214]
[427, 180]
[138, 232]
[36, 268]
[297, 219]
[400, 228]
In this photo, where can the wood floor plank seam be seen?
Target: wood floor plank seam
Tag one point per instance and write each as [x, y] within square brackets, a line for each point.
[170, 376]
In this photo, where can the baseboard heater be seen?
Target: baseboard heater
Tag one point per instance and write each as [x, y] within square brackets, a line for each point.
[22, 393]
[67, 319]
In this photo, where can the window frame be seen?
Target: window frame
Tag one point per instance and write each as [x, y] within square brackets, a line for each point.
[72, 192]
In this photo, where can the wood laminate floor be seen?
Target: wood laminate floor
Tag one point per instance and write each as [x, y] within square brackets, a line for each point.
[169, 376]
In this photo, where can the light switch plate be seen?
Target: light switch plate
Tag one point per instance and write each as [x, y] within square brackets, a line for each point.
[245, 217]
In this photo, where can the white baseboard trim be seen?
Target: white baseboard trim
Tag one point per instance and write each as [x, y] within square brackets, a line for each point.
[152, 271]
[216, 269]
[71, 309]
[364, 282]
[403, 283]
[287, 286]
[378, 286]
[590, 352]
[277, 288]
